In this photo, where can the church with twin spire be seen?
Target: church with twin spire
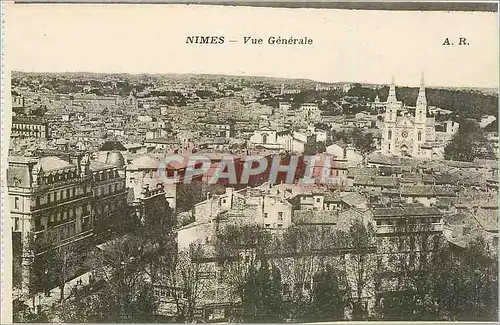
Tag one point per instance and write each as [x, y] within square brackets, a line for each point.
[408, 131]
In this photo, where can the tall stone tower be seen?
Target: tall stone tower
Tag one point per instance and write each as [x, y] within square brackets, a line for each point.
[420, 118]
[391, 113]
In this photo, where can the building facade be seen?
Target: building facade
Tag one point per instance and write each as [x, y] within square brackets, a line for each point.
[29, 127]
[404, 135]
[50, 204]
[110, 198]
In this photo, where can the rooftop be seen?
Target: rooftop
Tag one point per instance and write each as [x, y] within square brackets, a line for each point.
[405, 211]
[51, 163]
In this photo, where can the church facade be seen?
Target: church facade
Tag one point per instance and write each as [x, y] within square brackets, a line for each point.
[408, 134]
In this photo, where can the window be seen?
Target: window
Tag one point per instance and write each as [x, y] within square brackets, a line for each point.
[86, 224]
[265, 215]
[401, 245]
[38, 224]
[389, 146]
[16, 203]
[389, 135]
[268, 225]
[280, 216]
[318, 199]
[224, 201]
[16, 224]
[280, 225]
[436, 243]
[424, 243]
[419, 136]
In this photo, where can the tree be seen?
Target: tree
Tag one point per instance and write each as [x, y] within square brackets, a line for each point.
[239, 251]
[466, 284]
[469, 143]
[121, 266]
[362, 140]
[328, 295]
[262, 294]
[193, 277]
[54, 262]
[360, 266]
[411, 255]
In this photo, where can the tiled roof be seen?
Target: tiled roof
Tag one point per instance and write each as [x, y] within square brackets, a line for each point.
[162, 141]
[143, 162]
[405, 211]
[332, 197]
[97, 165]
[380, 159]
[488, 219]
[376, 181]
[308, 217]
[486, 163]
[52, 163]
[362, 171]
[354, 199]
[427, 190]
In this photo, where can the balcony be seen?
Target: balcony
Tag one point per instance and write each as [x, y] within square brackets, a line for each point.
[58, 203]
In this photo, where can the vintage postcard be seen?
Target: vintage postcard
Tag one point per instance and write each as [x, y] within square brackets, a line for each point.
[285, 163]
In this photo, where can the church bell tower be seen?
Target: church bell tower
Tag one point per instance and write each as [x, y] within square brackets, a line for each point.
[421, 107]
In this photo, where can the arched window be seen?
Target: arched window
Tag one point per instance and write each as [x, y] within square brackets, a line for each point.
[264, 138]
[16, 203]
[389, 135]
[419, 136]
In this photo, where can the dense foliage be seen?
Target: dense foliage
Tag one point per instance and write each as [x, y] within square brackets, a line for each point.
[469, 143]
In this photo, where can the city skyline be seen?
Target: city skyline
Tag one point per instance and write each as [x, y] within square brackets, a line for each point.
[349, 46]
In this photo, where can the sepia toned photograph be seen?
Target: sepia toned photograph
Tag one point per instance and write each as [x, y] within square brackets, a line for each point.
[173, 163]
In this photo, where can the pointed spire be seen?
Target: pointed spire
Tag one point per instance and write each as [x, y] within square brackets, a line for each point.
[421, 99]
[392, 92]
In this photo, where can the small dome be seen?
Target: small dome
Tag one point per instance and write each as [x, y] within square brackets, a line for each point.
[115, 158]
[112, 145]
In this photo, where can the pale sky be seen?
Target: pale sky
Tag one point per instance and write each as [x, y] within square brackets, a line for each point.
[349, 45]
